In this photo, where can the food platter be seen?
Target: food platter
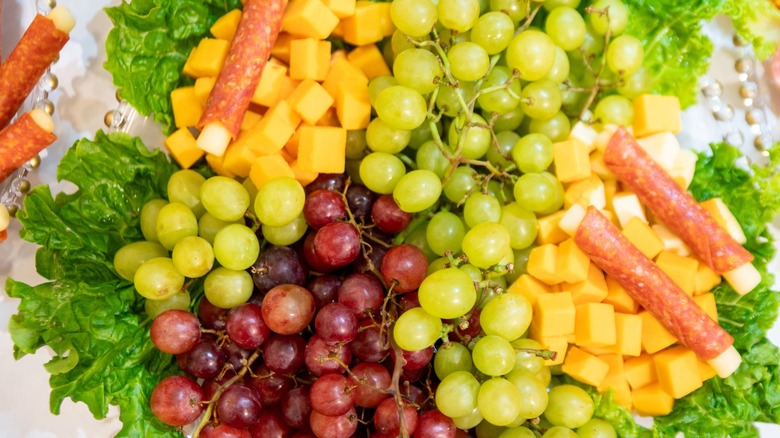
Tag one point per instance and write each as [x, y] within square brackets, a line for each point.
[84, 96]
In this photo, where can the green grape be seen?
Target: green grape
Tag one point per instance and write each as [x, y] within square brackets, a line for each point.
[539, 193]
[615, 110]
[381, 172]
[458, 15]
[387, 53]
[437, 265]
[557, 128]
[445, 232]
[494, 356]
[552, 4]
[507, 315]
[236, 247]
[545, 376]
[508, 121]
[561, 67]
[179, 300]
[532, 53]
[422, 134]
[569, 406]
[486, 244]
[456, 395]
[193, 256]
[468, 421]
[225, 198]
[521, 225]
[184, 187]
[462, 181]
[559, 432]
[474, 272]
[507, 260]
[592, 48]
[520, 265]
[416, 329]
[279, 201]
[226, 288]
[400, 42]
[209, 226]
[468, 61]
[541, 99]
[356, 144]
[448, 293]
[352, 168]
[625, 55]
[417, 238]
[500, 154]
[418, 69]
[149, 213]
[381, 137]
[401, 107]
[566, 27]
[517, 432]
[417, 190]
[636, 84]
[480, 207]
[413, 17]
[251, 188]
[131, 256]
[377, 85]
[448, 101]
[609, 15]
[430, 157]
[516, 9]
[449, 38]
[596, 428]
[286, 234]
[477, 140]
[533, 153]
[499, 401]
[501, 191]
[534, 393]
[158, 279]
[501, 100]
[174, 222]
[525, 359]
[451, 357]
[493, 31]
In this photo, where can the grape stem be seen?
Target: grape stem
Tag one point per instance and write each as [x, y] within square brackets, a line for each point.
[540, 352]
[596, 86]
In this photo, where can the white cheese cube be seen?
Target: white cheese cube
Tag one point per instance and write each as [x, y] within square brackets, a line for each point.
[663, 148]
[584, 133]
[684, 167]
[626, 206]
[672, 243]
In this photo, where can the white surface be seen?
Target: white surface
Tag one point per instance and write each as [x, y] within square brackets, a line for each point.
[85, 94]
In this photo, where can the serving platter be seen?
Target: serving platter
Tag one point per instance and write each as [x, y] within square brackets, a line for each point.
[86, 94]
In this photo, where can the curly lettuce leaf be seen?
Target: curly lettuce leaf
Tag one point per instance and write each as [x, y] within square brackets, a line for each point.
[90, 318]
[149, 44]
[758, 22]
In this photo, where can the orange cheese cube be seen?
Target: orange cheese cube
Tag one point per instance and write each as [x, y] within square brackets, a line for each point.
[640, 371]
[584, 366]
[292, 144]
[678, 371]
[309, 18]
[330, 118]
[250, 119]
[281, 48]
[529, 287]
[271, 81]
[707, 303]
[267, 136]
[706, 279]
[225, 26]
[309, 59]
[652, 401]
[305, 177]
[558, 344]
[571, 159]
[208, 57]
[595, 324]
[365, 25]
[654, 336]
[548, 229]
[341, 8]
[187, 69]
[643, 237]
[654, 114]
[619, 297]
[187, 109]
[706, 371]
[310, 101]
[215, 162]
[554, 315]
[268, 167]
[352, 105]
[586, 192]
[628, 334]
[370, 60]
[239, 158]
[203, 88]
[592, 290]
[283, 112]
[342, 69]
[183, 147]
[543, 263]
[615, 380]
[572, 264]
[322, 149]
[682, 270]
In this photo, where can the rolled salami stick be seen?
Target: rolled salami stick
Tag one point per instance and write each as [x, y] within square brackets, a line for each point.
[679, 211]
[27, 62]
[228, 101]
[24, 139]
[606, 246]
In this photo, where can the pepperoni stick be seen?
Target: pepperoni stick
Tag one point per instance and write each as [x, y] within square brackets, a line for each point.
[24, 139]
[27, 62]
[606, 246]
[260, 23]
[676, 208]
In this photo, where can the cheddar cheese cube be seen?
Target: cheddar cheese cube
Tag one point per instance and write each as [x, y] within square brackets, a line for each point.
[353, 107]
[595, 324]
[367, 25]
[662, 147]
[305, 177]
[543, 263]
[341, 8]
[591, 290]
[628, 334]
[640, 371]
[643, 237]
[342, 69]
[654, 336]
[215, 162]
[309, 59]
[250, 119]
[208, 57]
[572, 160]
[281, 48]
[706, 302]
[615, 380]
[557, 344]
[270, 85]
[529, 287]
[706, 279]
[369, 58]
[682, 270]
[572, 263]
[654, 113]
[309, 18]
[706, 371]
[268, 167]
[225, 26]
[584, 366]
[330, 118]
[267, 136]
[187, 109]
[678, 371]
[203, 88]
[652, 401]
[322, 149]
[292, 144]
[619, 298]
[239, 158]
[310, 101]
[283, 112]
[549, 230]
[554, 315]
[183, 147]
[586, 192]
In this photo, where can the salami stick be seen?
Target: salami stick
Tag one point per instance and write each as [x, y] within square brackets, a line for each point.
[24, 139]
[27, 62]
[260, 23]
[676, 208]
[606, 246]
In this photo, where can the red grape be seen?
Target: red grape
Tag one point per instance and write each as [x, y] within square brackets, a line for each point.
[337, 244]
[323, 207]
[284, 354]
[270, 386]
[205, 360]
[288, 309]
[332, 395]
[369, 345]
[271, 425]
[177, 401]
[340, 426]
[222, 430]
[175, 331]
[409, 301]
[314, 261]
[387, 421]
[336, 322]
[375, 254]
[296, 407]
[362, 293]
[405, 266]
[434, 424]
[360, 199]
[335, 182]
[245, 326]
[318, 356]
[371, 382]
[236, 356]
[213, 317]
[388, 216]
[323, 288]
[239, 406]
[414, 360]
[277, 265]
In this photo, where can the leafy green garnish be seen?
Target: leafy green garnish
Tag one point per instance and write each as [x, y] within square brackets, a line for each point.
[91, 318]
[149, 44]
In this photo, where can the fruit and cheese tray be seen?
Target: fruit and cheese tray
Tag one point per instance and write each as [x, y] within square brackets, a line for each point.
[412, 218]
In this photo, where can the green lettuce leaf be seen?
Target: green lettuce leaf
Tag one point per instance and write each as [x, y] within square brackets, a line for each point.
[149, 44]
[90, 318]
[758, 22]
